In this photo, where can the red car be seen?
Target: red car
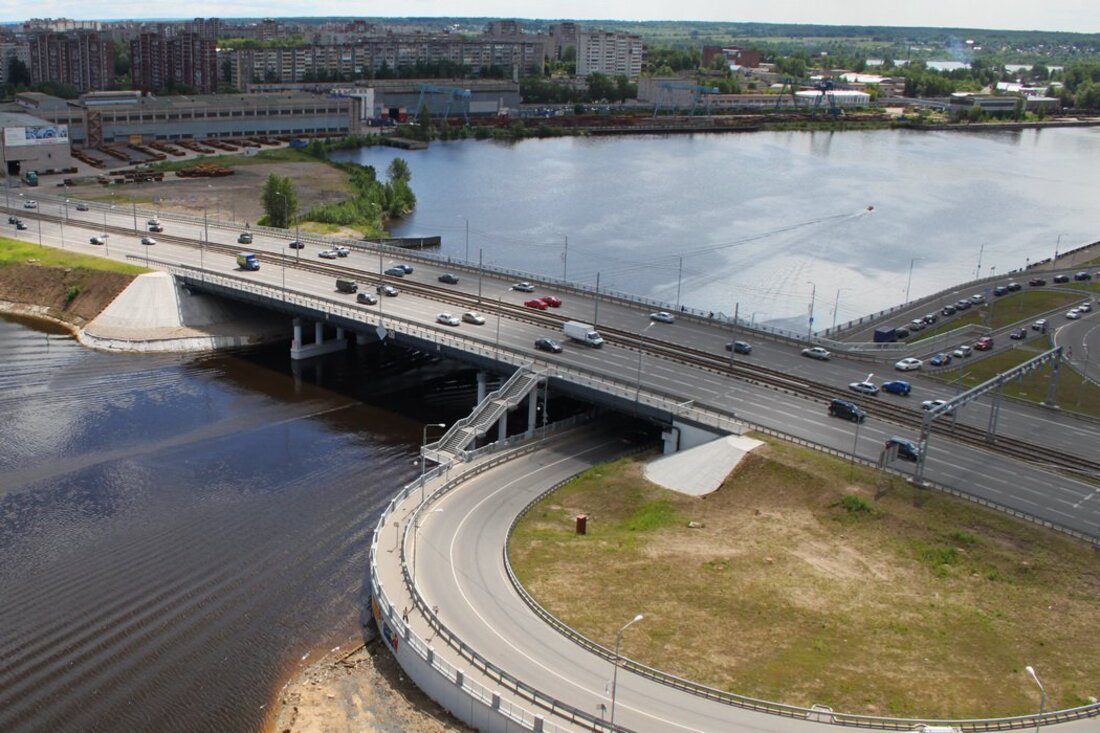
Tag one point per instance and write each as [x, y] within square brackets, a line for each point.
[551, 301]
[985, 343]
[535, 303]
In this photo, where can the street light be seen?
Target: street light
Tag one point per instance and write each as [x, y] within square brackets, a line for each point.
[641, 352]
[1042, 700]
[910, 280]
[978, 272]
[1054, 262]
[467, 257]
[813, 295]
[424, 442]
[836, 304]
[615, 670]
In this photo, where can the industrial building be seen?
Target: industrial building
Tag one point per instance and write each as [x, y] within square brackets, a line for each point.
[30, 143]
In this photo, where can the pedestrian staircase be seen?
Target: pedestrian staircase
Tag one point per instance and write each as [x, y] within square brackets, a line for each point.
[452, 445]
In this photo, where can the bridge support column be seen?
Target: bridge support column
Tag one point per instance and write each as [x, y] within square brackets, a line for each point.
[532, 411]
[360, 339]
[502, 428]
[482, 389]
[299, 350]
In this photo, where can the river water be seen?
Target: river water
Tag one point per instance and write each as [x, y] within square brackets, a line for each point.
[177, 531]
[764, 220]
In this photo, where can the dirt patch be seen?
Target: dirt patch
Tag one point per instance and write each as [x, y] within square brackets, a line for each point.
[46, 291]
[364, 692]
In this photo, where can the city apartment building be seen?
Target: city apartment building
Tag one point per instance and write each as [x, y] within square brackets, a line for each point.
[609, 52]
[187, 59]
[13, 50]
[84, 59]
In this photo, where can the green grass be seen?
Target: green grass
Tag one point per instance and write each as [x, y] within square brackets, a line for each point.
[1006, 310]
[282, 155]
[15, 252]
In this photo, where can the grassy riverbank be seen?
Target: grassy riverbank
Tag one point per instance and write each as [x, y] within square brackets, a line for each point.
[808, 584]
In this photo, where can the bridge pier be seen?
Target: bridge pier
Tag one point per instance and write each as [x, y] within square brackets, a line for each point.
[482, 387]
[300, 350]
[532, 411]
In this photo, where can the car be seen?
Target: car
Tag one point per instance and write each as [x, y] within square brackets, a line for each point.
[395, 271]
[817, 352]
[933, 404]
[916, 325]
[536, 303]
[1039, 325]
[940, 360]
[977, 299]
[906, 449]
[847, 410]
[930, 318]
[1061, 278]
[366, 299]
[948, 310]
[524, 287]
[148, 240]
[548, 345]
[1073, 314]
[1078, 276]
[551, 301]
[154, 222]
[1084, 308]
[341, 251]
[1018, 334]
[985, 343]
[1036, 282]
[244, 238]
[98, 239]
[12, 219]
[661, 317]
[1013, 286]
[867, 388]
[388, 290]
[156, 228]
[448, 277]
[473, 317]
[739, 347]
[897, 386]
[963, 351]
[296, 244]
[447, 319]
[407, 268]
[1000, 290]
[328, 254]
[20, 225]
[30, 204]
[82, 206]
[963, 304]
[901, 332]
[908, 364]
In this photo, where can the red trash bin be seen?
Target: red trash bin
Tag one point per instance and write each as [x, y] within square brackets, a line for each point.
[582, 524]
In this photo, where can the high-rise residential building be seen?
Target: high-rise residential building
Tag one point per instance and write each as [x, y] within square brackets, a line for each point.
[562, 36]
[83, 59]
[207, 28]
[149, 62]
[187, 59]
[609, 52]
[9, 50]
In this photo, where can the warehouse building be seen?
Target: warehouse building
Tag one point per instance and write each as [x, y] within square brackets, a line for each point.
[31, 144]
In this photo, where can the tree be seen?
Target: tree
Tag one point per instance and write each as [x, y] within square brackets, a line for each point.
[280, 201]
[424, 119]
[398, 170]
[18, 73]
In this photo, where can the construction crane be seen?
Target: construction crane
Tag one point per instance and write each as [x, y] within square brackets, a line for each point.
[668, 88]
[449, 94]
[826, 88]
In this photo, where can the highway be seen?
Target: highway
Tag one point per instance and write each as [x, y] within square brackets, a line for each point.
[795, 409]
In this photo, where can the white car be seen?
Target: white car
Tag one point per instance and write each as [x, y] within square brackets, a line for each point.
[524, 287]
[1084, 308]
[148, 240]
[1073, 314]
[30, 204]
[908, 364]
[328, 254]
[816, 352]
[447, 319]
[867, 388]
[933, 404]
[153, 223]
[341, 251]
[661, 317]
[475, 318]
[963, 351]
[1039, 325]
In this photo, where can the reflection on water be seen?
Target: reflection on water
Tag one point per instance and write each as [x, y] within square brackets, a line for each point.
[176, 530]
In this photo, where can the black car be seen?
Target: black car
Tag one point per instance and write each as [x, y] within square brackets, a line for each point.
[1000, 290]
[907, 449]
[1036, 282]
[1081, 276]
[407, 268]
[739, 347]
[297, 244]
[901, 332]
[156, 228]
[366, 299]
[20, 225]
[388, 290]
[449, 278]
[12, 220]
[1018, 335]
[1061, 278]
[548, 345]
[847, 410]
[948, 310]
[1013, 286]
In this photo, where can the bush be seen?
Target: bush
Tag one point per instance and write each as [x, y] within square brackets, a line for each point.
[855, 505]
[71, 293]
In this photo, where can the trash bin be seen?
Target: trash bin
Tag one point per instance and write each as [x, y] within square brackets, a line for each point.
[582, 524]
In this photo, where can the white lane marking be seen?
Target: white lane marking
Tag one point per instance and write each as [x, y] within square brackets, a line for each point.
[1084, 500]
[486, 624]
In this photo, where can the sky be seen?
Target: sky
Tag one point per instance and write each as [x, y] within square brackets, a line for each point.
[1081, 16]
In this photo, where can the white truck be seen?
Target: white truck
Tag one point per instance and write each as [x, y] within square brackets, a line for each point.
[582, 332]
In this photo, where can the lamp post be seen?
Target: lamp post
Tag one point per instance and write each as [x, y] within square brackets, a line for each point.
[480, 271]
[813, 296]
[596, 301]
[641, 352]
[836, 304]
[679, 282]
[1057, 244]
[286, 220]
[615, 669]
[978, 272]
[1042, 700]
[467, 257]
[423, 461]
[565, 261]
[909, 281]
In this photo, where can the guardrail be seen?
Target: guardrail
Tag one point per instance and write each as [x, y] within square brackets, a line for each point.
[816, 712]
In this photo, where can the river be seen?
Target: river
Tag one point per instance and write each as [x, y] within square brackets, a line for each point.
[764, 220]
[178, 531]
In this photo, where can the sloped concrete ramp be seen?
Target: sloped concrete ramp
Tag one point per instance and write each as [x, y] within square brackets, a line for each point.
[700, 470]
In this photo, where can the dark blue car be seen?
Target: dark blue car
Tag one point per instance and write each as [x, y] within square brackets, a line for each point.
[897, 386]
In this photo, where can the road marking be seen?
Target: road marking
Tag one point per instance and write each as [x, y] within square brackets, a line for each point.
[487, 625]
[1084, 500]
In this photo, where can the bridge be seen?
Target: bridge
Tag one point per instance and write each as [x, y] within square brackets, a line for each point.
[678, 375]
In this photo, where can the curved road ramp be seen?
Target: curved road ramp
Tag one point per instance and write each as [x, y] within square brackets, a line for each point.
[462, 627]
